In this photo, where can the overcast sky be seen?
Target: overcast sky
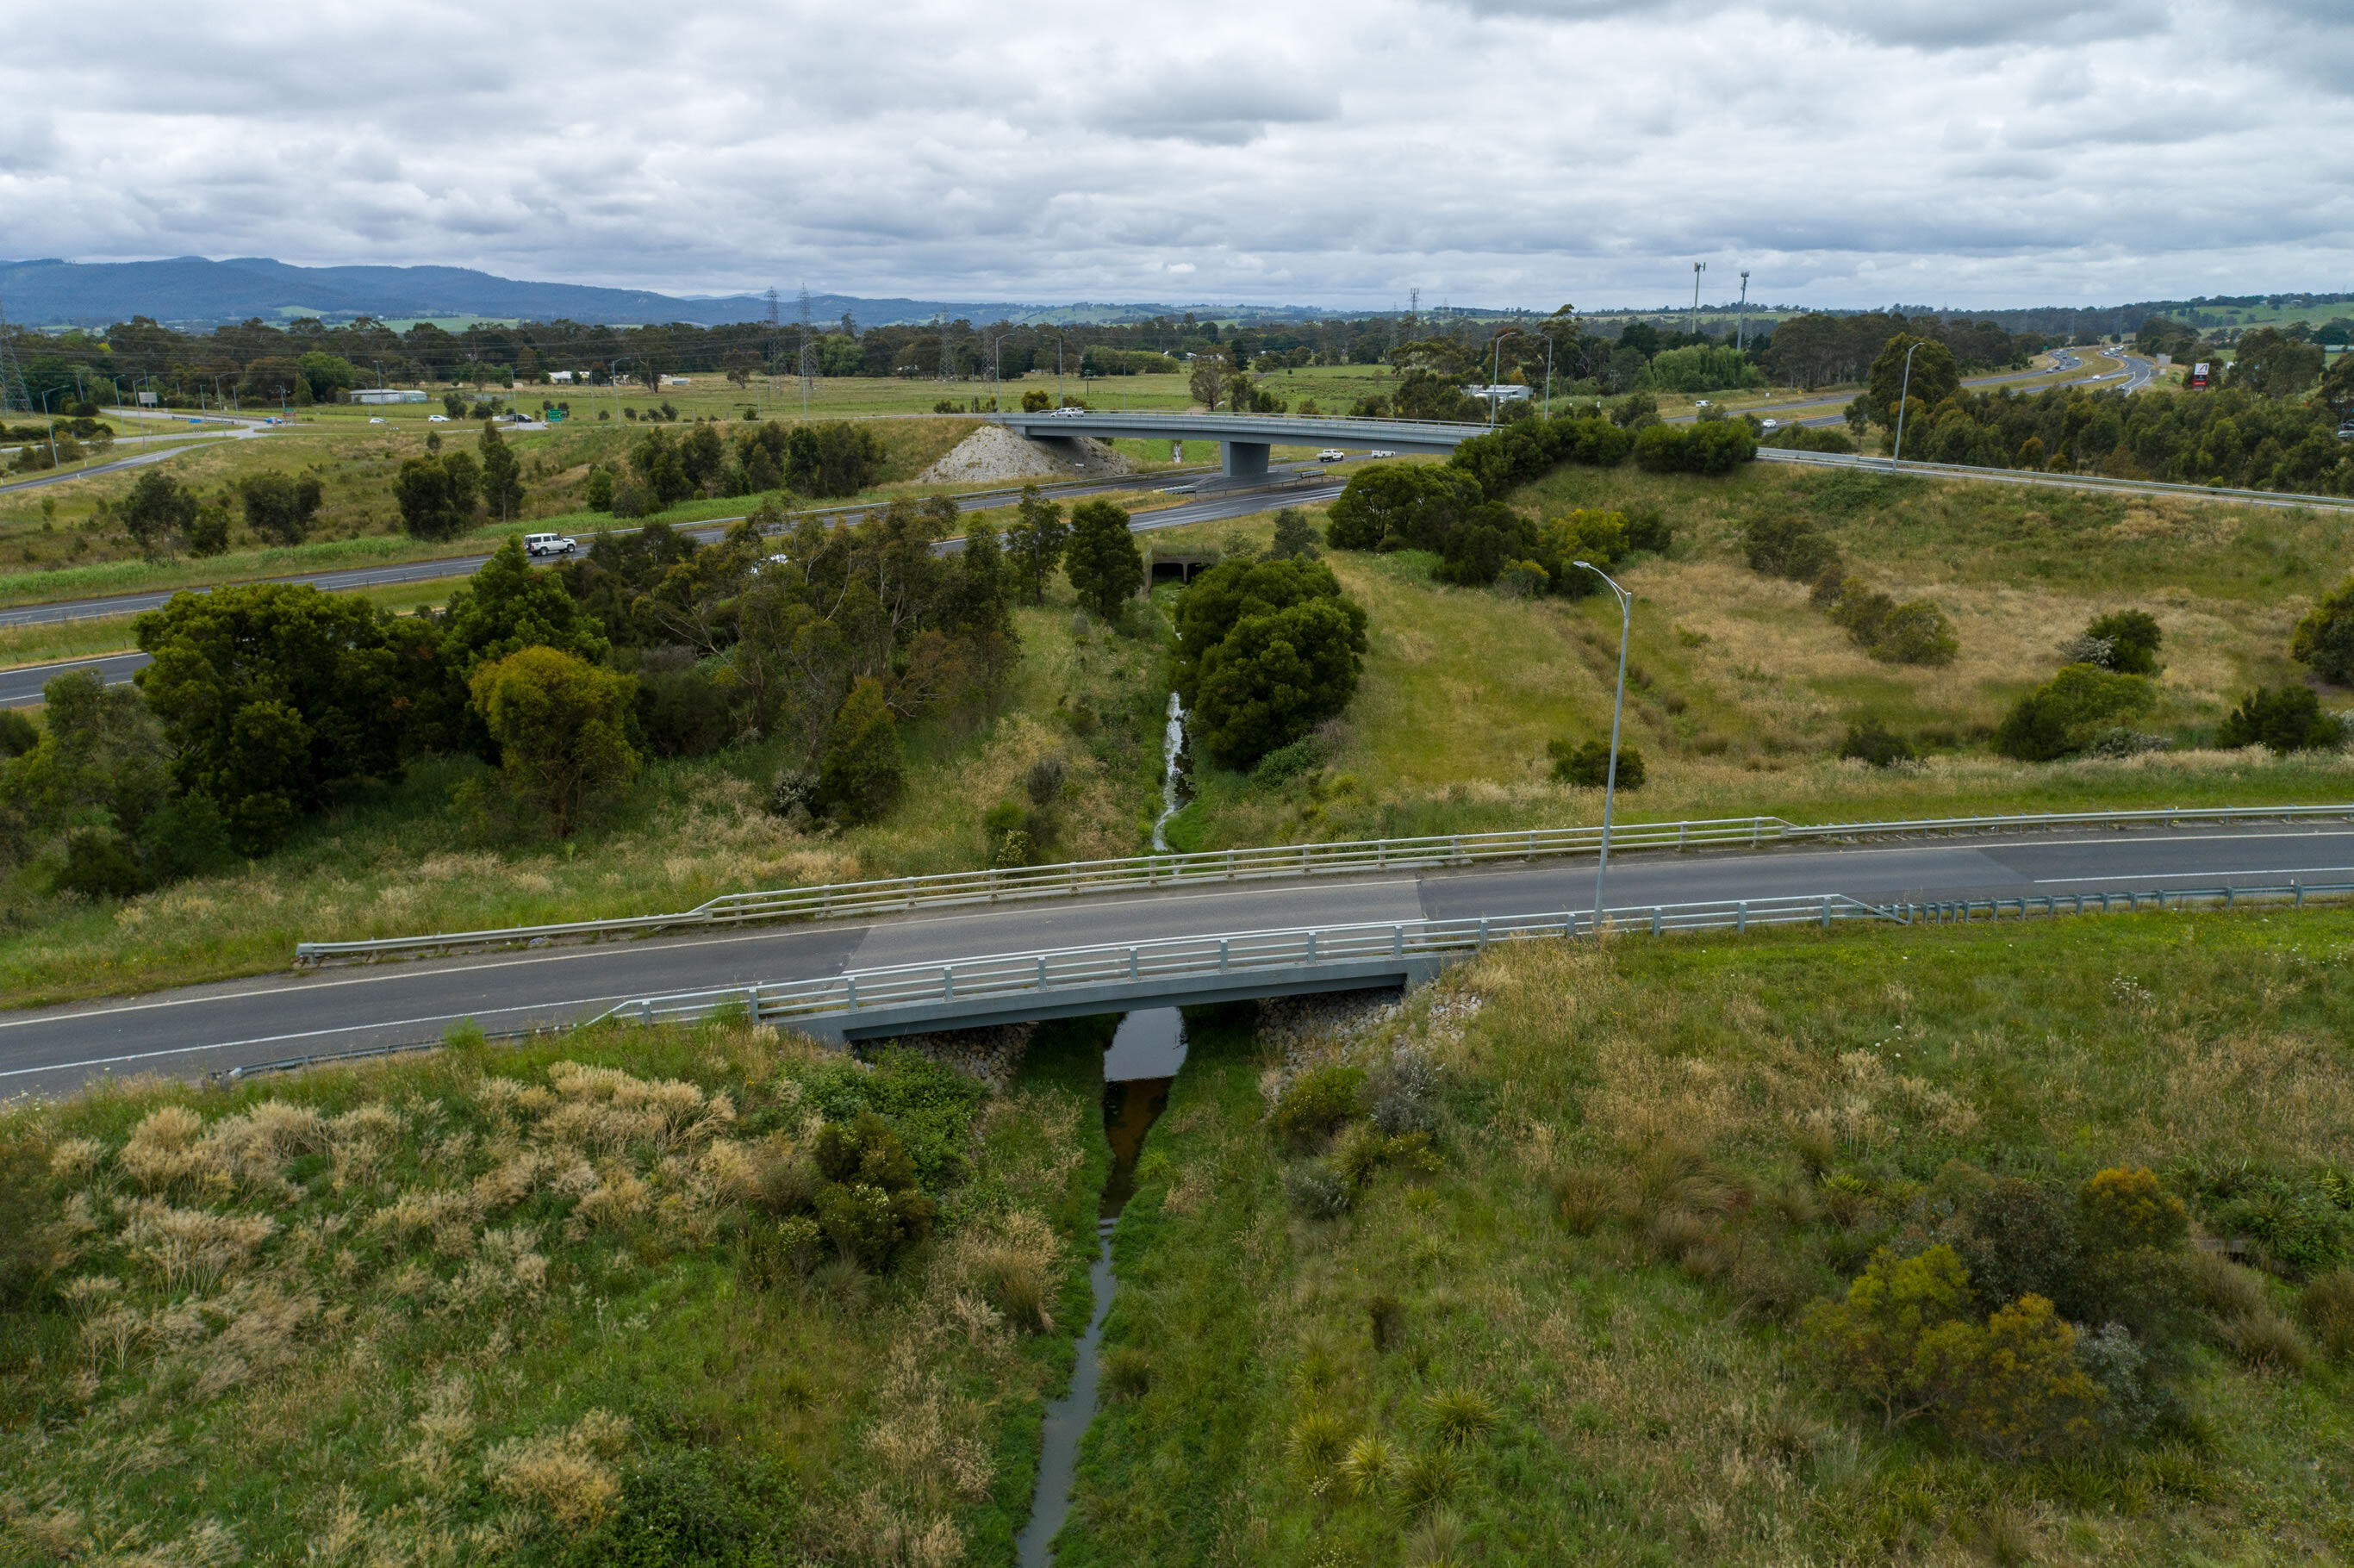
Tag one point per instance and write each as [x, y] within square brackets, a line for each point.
[1493, 152]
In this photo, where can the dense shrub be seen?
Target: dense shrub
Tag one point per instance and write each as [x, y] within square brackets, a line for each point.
[2132, 636]
[1907, 1340]
[2063, 715]
[1789, 546]
[1916, 632]
[1588, 766]
[1872, 741]
[1288, 762]
[1714, 447]
[1318, 1101]
[2283, 720]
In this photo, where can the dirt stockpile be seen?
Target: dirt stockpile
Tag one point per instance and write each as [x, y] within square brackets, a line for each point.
[993, 453]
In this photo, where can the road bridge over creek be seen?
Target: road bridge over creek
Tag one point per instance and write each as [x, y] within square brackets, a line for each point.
[1246, 439]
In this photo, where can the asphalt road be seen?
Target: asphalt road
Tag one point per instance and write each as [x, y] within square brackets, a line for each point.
[271, 1018]
[21, 686]
[2286, 500]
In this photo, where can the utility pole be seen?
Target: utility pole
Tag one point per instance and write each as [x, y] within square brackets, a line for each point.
[1698, 268]
[1741, 332]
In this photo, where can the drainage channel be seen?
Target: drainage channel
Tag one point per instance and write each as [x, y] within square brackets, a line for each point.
[1142, 1061]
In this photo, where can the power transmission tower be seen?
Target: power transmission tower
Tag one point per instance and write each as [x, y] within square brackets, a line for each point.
[13, 395]
[776, 332]
[809, 355]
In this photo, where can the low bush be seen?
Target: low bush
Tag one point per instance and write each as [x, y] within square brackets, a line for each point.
[1587, 767]
[2063, 715]
[2133, 637]
[1791, 546]
[1872, 741]
[2283, 720]
[1318, 1192]
[1314, 1105]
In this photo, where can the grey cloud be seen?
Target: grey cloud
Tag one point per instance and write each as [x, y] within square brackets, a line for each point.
[1491, 150]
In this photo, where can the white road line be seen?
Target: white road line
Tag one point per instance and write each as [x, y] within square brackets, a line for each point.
[2176, 875]
[305, 1035]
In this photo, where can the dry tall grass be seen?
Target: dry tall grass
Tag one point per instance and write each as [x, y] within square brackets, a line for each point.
[438, 1310]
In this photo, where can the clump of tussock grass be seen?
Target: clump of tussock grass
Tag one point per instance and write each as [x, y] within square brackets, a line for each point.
[2326, 1304]
[1582, 1197]
[1318, 1440]
[1429, 1478]
[1461, 1416]
[2267, 1340]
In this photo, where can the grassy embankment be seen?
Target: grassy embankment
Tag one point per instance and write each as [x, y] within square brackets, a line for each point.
[398, 860]
[1653, 1157]
[1739, 692]
[541, 1305]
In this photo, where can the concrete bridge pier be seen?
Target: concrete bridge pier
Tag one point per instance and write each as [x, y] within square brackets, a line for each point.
[1245, 459]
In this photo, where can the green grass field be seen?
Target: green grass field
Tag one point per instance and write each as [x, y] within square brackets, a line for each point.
[1651, 1157]
[540, 1306]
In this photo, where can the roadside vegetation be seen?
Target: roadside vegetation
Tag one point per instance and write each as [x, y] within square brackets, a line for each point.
[1879, 1246]
[703, 1296]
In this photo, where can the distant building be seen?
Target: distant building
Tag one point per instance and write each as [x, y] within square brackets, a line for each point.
[386, 395]
[561, 377]
[1496, 394]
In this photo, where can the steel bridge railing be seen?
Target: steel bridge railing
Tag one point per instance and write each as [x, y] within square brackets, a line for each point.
[900, 895]
[1002, 977]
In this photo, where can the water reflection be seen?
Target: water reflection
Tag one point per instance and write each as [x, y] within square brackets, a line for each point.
[1145, 1054]
[1141, 1063]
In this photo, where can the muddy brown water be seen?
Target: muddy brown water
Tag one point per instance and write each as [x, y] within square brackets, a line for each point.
[1142, 1061]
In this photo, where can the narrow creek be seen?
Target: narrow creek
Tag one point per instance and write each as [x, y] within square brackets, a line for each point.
[1174, 767]
[1141, 1063]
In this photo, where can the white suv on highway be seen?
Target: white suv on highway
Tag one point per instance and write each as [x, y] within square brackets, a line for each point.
[1331, 454]
[549, 545]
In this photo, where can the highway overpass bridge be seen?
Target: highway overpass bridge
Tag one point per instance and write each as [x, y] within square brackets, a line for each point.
[1246, 439]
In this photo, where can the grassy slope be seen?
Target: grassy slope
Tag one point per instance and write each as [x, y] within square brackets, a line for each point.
[398, 860]
[424, 1292]
[1644, 1415]
[1738, 689]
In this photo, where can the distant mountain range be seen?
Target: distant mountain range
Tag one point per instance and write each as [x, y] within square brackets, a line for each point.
[193, 292]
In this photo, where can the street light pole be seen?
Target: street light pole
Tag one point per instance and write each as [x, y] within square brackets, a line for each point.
[1903, 396]
[1618, 712]
[53, 427]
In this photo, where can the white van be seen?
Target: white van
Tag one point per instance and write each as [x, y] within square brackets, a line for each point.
[547, 545]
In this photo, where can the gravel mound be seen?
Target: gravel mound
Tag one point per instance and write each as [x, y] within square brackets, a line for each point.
[993, 453]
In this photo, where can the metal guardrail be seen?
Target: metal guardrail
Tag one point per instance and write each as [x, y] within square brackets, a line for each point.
[903, 894]
[1206, 957]
[2069, 480]
[1212, 958]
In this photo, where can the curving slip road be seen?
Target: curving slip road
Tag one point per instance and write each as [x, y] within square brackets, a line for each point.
[270, 1018]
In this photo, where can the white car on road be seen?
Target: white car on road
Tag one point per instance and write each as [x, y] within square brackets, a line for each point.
[437, 418]
[549, 545]
[1331, 454]
[1381, 452]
